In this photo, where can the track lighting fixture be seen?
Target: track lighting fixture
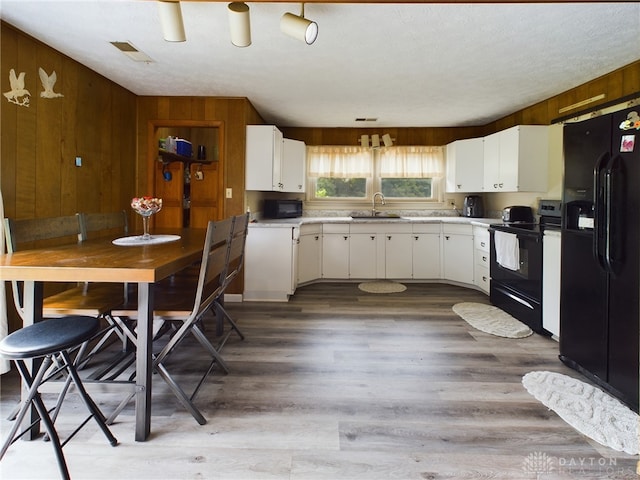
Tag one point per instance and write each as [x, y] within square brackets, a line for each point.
[298, 27]
[375, 140]
[171, 21]
[364, 141]
[239, 24]
[386, 139]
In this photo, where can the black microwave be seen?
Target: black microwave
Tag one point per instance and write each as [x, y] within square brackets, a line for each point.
[282, 208]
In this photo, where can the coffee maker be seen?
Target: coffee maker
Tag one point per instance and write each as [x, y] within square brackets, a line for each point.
[473, 206]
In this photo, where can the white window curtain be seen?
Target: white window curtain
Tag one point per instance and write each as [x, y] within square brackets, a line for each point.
[412, 162]
[339, 162]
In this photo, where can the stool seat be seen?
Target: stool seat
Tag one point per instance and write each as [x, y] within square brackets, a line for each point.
[48, 336]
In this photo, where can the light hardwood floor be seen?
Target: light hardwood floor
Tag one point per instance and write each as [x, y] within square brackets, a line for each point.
[341, 384]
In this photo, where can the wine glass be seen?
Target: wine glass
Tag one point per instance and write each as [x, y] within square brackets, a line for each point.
[145, 207]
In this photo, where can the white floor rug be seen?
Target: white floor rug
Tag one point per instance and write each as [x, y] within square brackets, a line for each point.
[382, 286]
[588, 409]
[490, 319]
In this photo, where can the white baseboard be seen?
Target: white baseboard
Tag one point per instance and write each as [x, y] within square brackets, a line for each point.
[233, 297]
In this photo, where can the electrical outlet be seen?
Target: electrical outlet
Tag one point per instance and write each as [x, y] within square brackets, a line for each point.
[78, 161]
[229, 193]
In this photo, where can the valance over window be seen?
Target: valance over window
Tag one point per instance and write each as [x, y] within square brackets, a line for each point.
[339, 162]
[412, 162]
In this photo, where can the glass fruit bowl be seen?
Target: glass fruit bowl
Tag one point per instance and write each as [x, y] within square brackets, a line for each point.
[145, 207]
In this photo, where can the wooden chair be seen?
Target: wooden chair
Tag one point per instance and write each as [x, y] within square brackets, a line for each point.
[185, 301]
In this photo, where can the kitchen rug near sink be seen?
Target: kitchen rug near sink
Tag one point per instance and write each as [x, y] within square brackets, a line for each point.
[586, 408]
[382, 286]
[490, 319]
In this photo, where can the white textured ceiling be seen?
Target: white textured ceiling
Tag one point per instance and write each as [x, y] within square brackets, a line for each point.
[404, 64]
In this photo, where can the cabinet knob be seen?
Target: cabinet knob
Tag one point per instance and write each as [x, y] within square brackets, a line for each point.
[317, 237]
[482, 244]
[484, 278]
[446, 237]
[501, 184]
[495, 185]
[346, 237]
[459, 186]
[416, 237]
[484, 258]
[388, 237]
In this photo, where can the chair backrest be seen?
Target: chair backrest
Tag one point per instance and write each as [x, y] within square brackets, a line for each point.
[26, 233]
[215, 256]
[105, 223]
[236, 249]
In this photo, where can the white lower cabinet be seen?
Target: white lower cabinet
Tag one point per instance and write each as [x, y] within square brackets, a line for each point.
[457, 253]
[398, 256]
[363, 253]
[425, 248]
[335, 250]
[310, 253]
[481, 240]
[551, 282]
[270, 263]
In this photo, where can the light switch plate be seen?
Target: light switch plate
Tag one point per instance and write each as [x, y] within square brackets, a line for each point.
[78, 161]
[229, 193]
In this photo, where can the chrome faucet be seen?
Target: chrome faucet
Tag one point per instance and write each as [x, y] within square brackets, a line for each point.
[382, 202]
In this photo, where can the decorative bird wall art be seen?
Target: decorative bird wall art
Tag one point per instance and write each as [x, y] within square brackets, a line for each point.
[18, 94]
[48, 82]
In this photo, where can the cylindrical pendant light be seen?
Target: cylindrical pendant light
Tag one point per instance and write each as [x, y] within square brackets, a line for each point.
[171, 21]
[239, 24]
[298, 27]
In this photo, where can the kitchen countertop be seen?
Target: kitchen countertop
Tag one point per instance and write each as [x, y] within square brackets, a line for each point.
[296, 222]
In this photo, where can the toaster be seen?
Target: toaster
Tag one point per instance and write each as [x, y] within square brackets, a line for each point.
[517, 214]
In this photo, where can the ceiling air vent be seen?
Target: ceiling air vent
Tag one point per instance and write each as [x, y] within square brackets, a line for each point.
[132, 52]
[364, 119]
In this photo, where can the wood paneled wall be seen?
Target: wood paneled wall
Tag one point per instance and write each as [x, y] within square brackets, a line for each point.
[235, 113]
[95, 120]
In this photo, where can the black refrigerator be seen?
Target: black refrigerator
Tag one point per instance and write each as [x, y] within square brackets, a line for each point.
[600, 265]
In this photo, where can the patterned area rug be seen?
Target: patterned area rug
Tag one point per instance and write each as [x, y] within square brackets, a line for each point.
[490, 319]
[382, 286]
[588, 409]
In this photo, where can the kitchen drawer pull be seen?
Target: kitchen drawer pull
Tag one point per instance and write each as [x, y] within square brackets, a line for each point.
[482, 244]
[373, 237]
[317, 237]
[346, 237]
[484, 258]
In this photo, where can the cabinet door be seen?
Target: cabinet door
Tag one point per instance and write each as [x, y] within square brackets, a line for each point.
[491, 168]
[465, 166]
[398, 255]
[269, 264]
[263, 158]
[172, 194]
[426, 256]
[458, 257]
[205, 192]
[363, 255]
[309, 257]
[335, 255]
[294, 161]
[509, 159]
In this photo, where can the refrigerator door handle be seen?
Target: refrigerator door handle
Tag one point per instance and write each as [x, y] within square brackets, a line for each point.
[599, 212]
[611, 191]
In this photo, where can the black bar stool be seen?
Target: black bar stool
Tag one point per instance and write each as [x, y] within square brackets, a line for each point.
[51, 339]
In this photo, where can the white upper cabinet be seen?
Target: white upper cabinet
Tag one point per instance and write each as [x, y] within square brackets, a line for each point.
[274, 163]
[264, 158]
[294, 163]
[516, 159]
[465, 171]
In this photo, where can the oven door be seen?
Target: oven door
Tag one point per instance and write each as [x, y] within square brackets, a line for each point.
[527, 278]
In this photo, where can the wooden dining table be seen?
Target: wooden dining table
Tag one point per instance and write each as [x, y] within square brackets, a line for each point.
[99, 260]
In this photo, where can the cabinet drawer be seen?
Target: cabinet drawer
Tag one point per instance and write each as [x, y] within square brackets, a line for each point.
[459, 229]
[427, 228]
[481, 278]
[335, 228]
[482, 258]
[310, 229]
[481, 239]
